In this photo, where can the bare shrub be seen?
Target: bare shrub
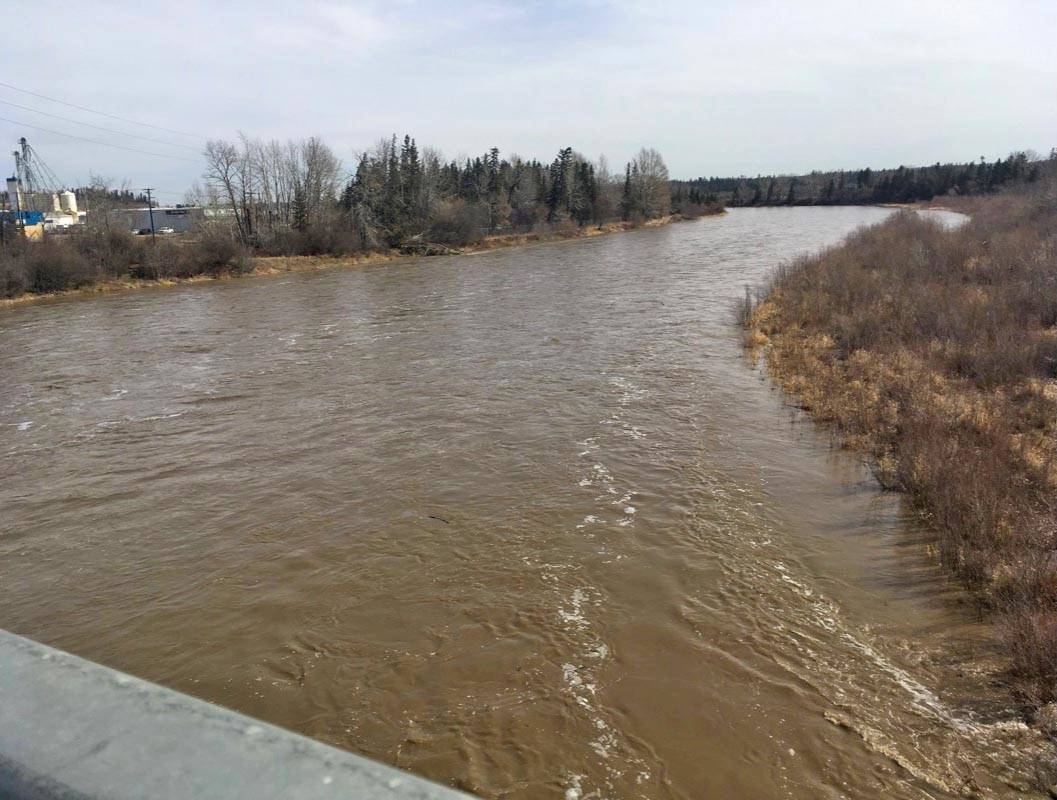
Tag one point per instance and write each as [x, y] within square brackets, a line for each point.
[935, 350]
[13, 280]
[52, 266]
[164, 259]
[1032, 641]
[456, 222]
[312, 241]
[110, 251]
[218, 251]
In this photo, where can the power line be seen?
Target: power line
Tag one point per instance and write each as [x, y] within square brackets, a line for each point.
[96, 141]
[100, 113]
[99, 127]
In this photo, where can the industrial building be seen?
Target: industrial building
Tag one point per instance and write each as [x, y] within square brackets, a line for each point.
[63, 215]
[180, 218]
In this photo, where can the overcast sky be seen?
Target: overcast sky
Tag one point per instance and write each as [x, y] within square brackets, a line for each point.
[720, 88]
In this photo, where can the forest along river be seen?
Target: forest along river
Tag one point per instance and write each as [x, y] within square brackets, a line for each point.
[527, 522]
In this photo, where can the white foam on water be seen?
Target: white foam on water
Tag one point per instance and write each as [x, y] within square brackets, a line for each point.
[601, 650]
[574, 790]
[922, 698]
[157, 417]
[571, 675]
[628, 390]
[602, 472]
[633, 431]
[574, 615]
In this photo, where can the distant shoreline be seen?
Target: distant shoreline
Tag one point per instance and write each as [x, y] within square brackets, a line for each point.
[285, 265]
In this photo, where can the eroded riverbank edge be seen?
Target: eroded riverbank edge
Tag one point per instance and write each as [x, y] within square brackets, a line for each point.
[262, 266]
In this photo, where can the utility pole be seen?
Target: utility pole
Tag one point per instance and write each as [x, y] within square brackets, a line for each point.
[150, 210]
[20, 221]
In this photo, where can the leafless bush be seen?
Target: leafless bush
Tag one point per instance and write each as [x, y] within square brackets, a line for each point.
[53, 266]
[1032, 640]
[12, 275]
[456, 222]
[110, 251]
[217, 251]
[935, 350]
[312, 241]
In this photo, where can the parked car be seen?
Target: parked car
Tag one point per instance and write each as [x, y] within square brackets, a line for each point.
[166, 230]
[143, 232]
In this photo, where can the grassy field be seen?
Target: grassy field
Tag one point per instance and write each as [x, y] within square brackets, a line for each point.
[935, 352]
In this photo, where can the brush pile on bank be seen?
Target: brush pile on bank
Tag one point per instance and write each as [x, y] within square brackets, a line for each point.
[935, 351]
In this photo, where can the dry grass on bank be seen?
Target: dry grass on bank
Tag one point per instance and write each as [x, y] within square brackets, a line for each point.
[935, 351]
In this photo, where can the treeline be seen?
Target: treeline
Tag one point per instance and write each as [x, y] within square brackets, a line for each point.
[867, 186]
[293, 197]
[296, 198]
[99, 195]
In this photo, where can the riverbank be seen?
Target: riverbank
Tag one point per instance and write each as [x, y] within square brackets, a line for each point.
[935, 352]
[281, 265]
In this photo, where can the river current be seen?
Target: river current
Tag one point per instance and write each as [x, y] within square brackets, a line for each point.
[527, 522]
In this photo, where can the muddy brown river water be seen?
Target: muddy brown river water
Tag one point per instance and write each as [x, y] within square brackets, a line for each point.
[527, 522]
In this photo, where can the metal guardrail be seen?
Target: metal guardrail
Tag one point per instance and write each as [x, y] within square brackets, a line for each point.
[74, 730]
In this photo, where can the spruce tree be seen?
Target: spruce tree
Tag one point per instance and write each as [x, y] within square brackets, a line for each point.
[300, 209]
[625, 198]
[493, 188]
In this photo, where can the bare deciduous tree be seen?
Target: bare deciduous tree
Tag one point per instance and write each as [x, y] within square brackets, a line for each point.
[650, 191]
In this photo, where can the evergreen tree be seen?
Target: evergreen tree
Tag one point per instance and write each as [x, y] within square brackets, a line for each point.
[410, 180]
[392, 192]
[300, 208]
[494, 188]
[625, 197]
[558, 198]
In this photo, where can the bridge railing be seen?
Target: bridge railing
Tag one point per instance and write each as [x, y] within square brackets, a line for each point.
[75, 730]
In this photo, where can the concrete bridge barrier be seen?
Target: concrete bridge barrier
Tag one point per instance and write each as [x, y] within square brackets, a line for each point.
[74, 730]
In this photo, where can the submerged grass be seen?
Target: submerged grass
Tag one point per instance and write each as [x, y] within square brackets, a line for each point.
[935, 351]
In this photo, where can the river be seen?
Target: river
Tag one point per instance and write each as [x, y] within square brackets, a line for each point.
[528, 522]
